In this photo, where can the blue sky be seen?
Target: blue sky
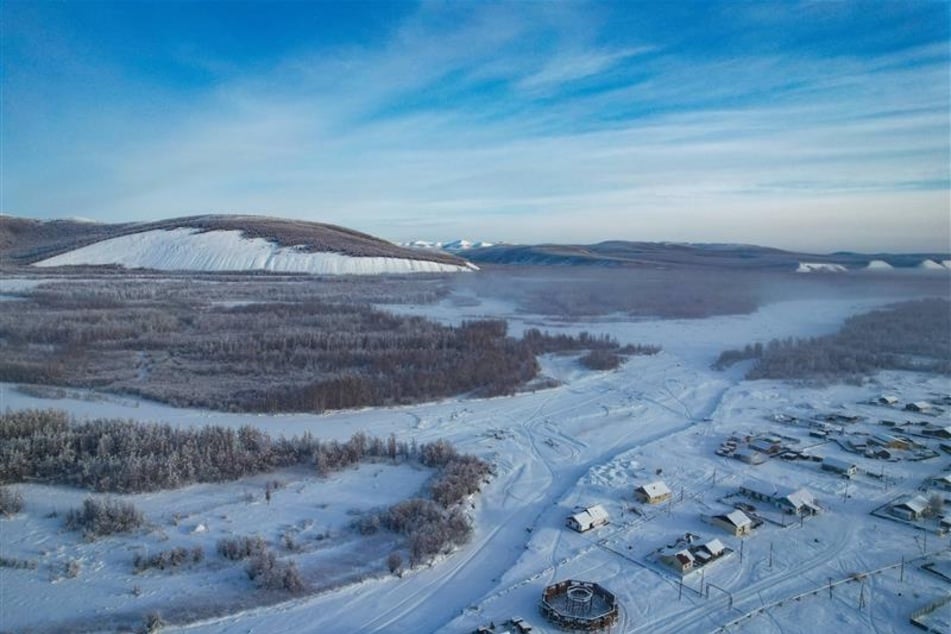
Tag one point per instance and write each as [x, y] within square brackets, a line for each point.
[809, 125]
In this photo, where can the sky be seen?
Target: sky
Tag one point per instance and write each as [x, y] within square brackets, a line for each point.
[818, 126]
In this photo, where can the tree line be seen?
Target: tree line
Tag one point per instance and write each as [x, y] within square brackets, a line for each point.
[914, 335]
[129, 457]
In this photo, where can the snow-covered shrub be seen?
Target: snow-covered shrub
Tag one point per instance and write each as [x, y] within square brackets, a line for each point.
[11, 502]
[601, 360]
[101, 518]
[168, 559]
[238, 548]
[270, 574]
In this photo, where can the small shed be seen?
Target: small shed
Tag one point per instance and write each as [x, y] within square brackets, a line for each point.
[589, 518]
[910, 508]
[919, 406]
[653, 493]
[710, 550]
[735, 522]
[837, 465]
[887, 399]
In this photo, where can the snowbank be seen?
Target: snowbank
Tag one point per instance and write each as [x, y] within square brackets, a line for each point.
[880, 265]
[189, 249]
[820, 267]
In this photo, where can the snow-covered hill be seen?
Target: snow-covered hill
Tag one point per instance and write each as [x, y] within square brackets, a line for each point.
[191, 249]
[215, 243]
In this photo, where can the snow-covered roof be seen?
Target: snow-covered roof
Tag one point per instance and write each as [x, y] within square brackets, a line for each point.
[838, 463]
[595, 513]
[915, 503]
[685, 556]
[738, 518]
[800, 498]
[655, 489]
[714, 547]
[920, 405]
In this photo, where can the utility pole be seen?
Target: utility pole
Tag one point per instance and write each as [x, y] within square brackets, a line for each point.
[680, 593]
[770, 554]
[702, 573]
[901, 574]
[862, 596]
[741, 550]
[830, 587]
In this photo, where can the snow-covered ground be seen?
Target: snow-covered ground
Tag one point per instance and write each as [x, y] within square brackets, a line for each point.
[591, 440]
[187, 249]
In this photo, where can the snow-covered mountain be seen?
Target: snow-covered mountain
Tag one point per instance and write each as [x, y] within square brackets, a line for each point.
[452, 245]
[222, 243]
[820, 267]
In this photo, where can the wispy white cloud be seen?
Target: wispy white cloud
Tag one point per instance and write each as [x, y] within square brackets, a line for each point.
[471, 128]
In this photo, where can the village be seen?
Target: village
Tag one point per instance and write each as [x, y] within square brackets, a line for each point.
[692, 532]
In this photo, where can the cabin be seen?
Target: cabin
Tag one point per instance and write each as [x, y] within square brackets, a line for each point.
[841, 467]
[887, 399]
[910, 508]
[798, 502]
[684, 556]
[938, 432]
[709, 551]
[588, 519]
[681, 561]
[736, 522]
[941, 482]
[653, 493]
[919, 406]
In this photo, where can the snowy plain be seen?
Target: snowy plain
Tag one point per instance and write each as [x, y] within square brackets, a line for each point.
[590, 440]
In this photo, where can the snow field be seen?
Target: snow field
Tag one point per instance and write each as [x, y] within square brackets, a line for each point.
[592, 440]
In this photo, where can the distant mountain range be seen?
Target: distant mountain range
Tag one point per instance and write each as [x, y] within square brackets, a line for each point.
[258, 243]
[669, 255]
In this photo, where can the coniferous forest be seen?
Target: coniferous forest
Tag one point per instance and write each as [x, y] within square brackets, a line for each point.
[911, 335]
[301, 347]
